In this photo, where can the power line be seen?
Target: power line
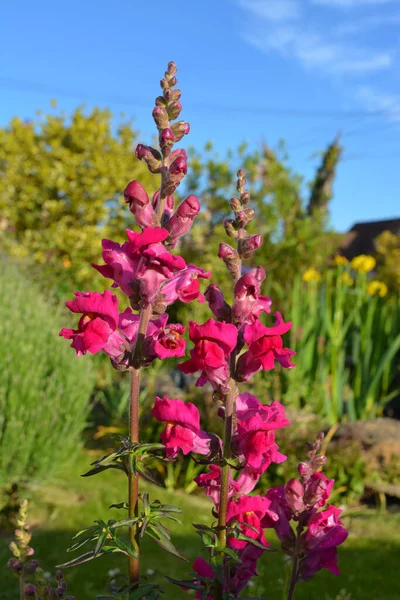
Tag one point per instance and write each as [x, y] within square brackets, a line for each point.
[40, 88]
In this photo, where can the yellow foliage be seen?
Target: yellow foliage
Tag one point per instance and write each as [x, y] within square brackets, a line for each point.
[340, 260]
[311, 275]
[377, 287]
[363, 263]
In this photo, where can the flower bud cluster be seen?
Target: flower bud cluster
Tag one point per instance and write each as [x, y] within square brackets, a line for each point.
[27, 568]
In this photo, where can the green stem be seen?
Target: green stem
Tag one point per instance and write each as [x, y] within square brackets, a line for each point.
[22, 586]
[295, 566]
[226, 470]
[133, 480]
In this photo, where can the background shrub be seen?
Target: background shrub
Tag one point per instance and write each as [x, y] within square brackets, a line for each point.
[44, 389]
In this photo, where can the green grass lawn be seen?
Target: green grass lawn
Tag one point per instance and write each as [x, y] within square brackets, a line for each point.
[368, 560]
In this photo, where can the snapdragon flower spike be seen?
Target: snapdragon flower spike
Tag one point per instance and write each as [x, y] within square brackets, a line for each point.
[182, 220]
[249, 303]
[255, 436]
[325, 532]
[211, 483]
[265, 346]
[98, 323]
[183, 427]
[213, 343]
[139, 205]
[249, 510]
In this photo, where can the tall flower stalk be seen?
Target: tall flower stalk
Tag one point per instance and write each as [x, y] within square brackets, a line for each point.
[228, 350]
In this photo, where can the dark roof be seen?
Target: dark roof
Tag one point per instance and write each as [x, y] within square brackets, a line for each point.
[360, 238]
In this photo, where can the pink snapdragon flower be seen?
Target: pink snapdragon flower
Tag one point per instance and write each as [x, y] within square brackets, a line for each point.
[204, 569]
[139, 267]
[255, 436]
[265, 345]
[217, 304]
[211, 483]
[249, 510]
[325, 531]
[279, 516]
[213, 343]
[98, 323]
[317, 490]
[184, 286]
[245, 570]
[163, 339]
[249, 303]
[183, 427]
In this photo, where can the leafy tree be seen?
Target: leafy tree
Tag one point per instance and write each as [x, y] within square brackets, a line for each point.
[61, 180]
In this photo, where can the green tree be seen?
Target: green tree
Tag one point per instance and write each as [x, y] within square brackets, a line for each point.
[61, 181]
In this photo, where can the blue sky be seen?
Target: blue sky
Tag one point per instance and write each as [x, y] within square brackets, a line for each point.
[255, 70]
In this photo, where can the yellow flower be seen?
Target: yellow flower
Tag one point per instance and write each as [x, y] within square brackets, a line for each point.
[347, 279]
[311, 275]
[340, 260]
[377, 287]
[66, 263]
[363, 263]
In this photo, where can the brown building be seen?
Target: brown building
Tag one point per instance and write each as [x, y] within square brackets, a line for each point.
[360, 239]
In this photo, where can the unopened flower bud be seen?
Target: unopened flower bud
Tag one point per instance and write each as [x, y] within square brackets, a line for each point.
[60, 590]
[59, 575]
[160, 117]
[250, 214]
[169, 204]
[240, 174]
[245, 197]
[304, 470]
[320, 436]
[139, 204]
[241, 220]
[166, 139]
[235, 204]
[231, 259]
[230, 228]
[164, 83]
[177, 172]
[217, 304]
[167, 93]
[151, 156]
[15, 564]
[176, 94]
[161, 101]
[30, 590]
[316, 490]
[248, 245]
[174, 110]
[178, 166]
[173, 81]
[318, 461]
[294, 491]
[31, 566]
[182, 220]
[180, 128]
[172, 68]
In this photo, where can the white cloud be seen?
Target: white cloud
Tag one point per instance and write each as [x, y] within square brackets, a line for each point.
[376, 101]
[313, 50]
[273, 10]
[351, 3]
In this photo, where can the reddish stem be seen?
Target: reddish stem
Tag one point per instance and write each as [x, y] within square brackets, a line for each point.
[133, 480]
